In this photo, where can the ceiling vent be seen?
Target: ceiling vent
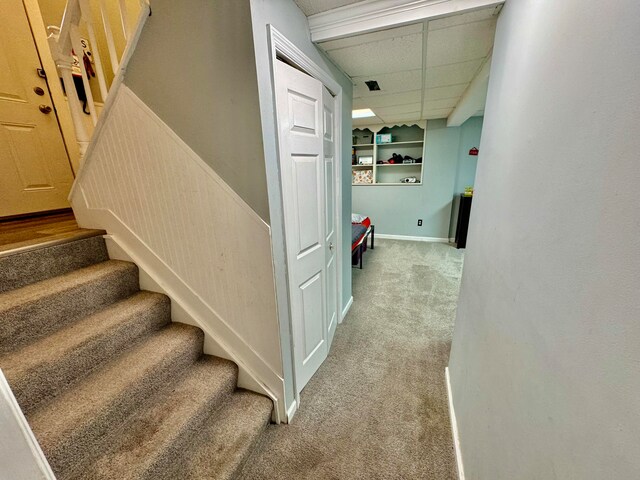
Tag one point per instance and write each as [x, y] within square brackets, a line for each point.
[373, 85]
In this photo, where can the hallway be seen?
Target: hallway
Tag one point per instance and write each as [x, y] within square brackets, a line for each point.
[377, 408]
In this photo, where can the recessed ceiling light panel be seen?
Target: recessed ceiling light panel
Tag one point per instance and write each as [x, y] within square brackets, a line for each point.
[362, 113]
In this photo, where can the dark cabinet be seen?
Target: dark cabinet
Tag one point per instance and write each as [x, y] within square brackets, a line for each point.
[464, 211]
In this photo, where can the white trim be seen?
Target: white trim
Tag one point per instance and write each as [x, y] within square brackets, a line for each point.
[454, 427]
[15, 446]
[291, 411]
[412, 239]
[373, 15]
[346, 308]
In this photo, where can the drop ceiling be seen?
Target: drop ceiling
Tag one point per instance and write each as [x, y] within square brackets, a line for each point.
[423, 69]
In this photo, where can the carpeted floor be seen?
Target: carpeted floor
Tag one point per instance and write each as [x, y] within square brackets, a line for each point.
[377, 408]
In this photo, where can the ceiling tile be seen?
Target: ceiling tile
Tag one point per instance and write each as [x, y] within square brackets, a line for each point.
[449, 91]
[366, 121]
[460, 43]
[442, 113]
[478, 15]
[389, 83]
[440, 104]
[452, 74]
[407, 117]
[311, 7]
[385, 56]
[372, 37]
[372, 101]
[397, 110]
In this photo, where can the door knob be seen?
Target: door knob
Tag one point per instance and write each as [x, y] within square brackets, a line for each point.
[330, 246]
[38, 90]
[46, 109]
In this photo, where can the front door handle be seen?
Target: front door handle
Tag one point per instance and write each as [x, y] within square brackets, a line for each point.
[46, 109]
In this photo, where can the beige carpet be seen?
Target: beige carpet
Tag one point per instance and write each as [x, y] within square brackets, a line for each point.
[377, 408]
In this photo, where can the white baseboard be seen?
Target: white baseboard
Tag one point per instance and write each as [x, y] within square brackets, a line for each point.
[452, 240]
[454, 428]
[291, 411]
[412, 239]
[346, 309]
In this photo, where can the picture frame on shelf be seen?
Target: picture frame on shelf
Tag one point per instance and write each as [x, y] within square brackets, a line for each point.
[365, 160]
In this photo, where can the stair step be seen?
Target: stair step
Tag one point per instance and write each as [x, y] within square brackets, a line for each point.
[224, 442]
[27, 267]
[41, 308]
[161, 430]
[74, 422]
[42, 370]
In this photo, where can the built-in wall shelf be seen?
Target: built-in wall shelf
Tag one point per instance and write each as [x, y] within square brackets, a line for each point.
[396, 165]
[400, 143]
[406, 140]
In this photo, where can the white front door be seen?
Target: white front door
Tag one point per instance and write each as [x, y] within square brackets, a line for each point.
[328, 134]
[35, 173]
[305, 126]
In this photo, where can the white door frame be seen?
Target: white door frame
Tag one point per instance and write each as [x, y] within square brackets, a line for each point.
[280, 46]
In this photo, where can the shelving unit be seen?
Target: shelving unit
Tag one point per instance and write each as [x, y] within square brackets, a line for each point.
[407, 140]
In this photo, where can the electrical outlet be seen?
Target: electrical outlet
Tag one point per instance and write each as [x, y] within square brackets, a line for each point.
[419, 222]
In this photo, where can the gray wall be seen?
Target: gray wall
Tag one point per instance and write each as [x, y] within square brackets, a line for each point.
[287, 18]
[194, 67]
[545, 362]
[395, 210]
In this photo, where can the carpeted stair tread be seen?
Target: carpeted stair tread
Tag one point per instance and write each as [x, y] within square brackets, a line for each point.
[39, 264]
[74, 422]
[56, 362]
[161, 429]
[41, 308]
[225, 441]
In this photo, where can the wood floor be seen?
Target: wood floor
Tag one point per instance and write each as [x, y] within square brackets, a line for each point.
[22, 234]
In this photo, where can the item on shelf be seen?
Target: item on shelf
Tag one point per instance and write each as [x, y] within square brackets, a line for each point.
[419, 160]
[407, 160]
[354, 139]
[362, 177]
[365, 160]
[409, 180]
[395, 158]
[383, 138]
[354, 159]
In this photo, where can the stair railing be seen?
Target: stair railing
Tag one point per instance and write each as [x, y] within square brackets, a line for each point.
[67, 47]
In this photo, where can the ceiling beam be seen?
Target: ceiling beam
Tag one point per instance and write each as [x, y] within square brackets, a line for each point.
[473, 98]
[373, 15]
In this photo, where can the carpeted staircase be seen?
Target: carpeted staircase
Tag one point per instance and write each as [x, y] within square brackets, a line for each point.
[110, 386]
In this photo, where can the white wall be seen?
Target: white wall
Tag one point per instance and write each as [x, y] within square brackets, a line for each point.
[545, 362]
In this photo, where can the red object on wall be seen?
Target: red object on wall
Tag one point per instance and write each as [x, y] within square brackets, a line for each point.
[474, 152]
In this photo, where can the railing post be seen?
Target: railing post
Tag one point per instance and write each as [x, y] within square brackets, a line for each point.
[82, 137]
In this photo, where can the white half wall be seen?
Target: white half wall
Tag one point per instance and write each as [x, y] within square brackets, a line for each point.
[201, 243]
[545, 361]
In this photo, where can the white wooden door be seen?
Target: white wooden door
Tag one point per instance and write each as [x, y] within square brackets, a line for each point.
[328, 130]
[35, 174]
[302, 118]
